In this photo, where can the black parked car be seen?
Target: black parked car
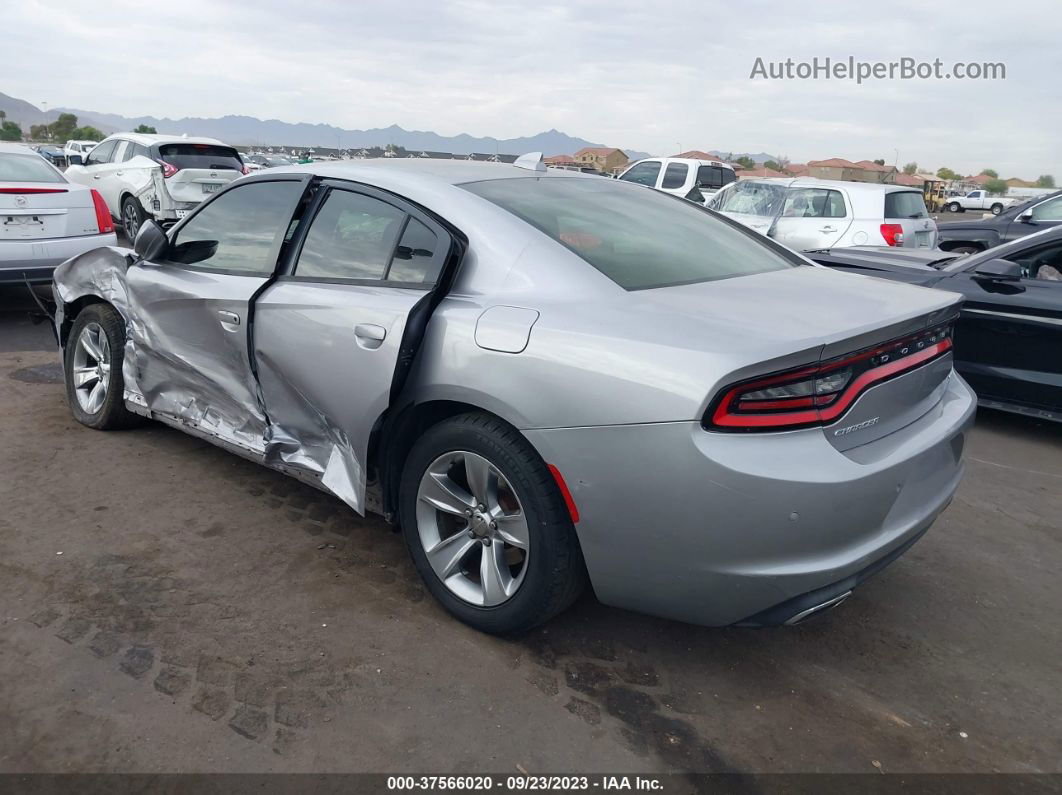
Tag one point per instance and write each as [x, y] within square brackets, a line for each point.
[1035, 215]
[1008, 343]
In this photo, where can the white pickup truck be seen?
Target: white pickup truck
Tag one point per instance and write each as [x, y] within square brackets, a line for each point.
[979, 200]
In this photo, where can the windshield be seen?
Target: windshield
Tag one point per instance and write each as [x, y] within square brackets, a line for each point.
[752, 198]
[27, 168]
[638, 238]
[278, 161]
[201, 156]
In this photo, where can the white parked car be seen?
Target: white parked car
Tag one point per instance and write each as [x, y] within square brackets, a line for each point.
[696, 180]
[808, 214]
[980, 200]
[44, 219]
[156, 176]
[76, 151]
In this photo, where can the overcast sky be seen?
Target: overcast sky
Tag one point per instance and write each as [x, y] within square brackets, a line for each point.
[652, 76]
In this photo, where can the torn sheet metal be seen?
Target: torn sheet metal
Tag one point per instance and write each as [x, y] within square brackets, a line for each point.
[185, 366]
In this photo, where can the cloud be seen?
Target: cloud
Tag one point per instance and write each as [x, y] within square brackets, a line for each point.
[649, 76]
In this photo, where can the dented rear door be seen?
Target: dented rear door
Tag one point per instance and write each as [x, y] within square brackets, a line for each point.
[334, 335]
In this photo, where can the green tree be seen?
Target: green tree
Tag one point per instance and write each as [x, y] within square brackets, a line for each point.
[746, 162]
[143, 128]
[990, 172]
[3, 115]
[1045, 181]
[62, 129]
[946, 173]
[87, 133]
[910, 168]
[773, 165]
[10, 131]
[996, 185]
[880, 161]
[39, 132]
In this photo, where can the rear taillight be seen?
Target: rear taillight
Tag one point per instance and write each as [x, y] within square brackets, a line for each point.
[32, 190]
[819, 394]
[103, 215]
[168, 169]
[893, 234]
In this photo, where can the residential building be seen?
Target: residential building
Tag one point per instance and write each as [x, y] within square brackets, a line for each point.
[602, 158]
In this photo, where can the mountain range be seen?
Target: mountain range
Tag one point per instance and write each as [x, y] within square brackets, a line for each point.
[248, 130]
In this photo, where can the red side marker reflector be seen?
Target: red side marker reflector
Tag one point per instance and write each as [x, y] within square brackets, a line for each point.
[572, 510]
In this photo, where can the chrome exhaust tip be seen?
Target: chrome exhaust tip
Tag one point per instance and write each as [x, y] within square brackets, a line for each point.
[803, 615]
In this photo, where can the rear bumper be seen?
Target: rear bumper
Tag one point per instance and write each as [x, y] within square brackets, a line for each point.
[720, 529]
[37, 259]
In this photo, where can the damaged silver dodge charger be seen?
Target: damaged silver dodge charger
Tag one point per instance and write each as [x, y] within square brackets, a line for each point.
[544, 378]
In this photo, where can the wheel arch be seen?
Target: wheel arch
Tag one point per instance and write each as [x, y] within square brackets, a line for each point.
[74, 308]
[950, 245]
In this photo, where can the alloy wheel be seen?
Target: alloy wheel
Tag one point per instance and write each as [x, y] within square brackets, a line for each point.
[473, 528]
[130, 221]
[92, 368]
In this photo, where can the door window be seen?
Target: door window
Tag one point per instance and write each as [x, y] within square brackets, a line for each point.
[101, 154]
[1050, 210]
[352, 237]
[813, 203]
[675, 175]
[1044, 263]
[240, 231]
[643, 173]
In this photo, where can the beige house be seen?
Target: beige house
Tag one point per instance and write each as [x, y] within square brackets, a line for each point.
[862, 171]
[602, 158]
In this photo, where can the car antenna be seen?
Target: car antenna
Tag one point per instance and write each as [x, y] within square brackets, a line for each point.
[532, 161]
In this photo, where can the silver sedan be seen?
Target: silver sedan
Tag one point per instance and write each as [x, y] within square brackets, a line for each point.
[546, 379]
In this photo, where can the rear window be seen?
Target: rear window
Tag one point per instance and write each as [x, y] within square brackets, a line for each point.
[201, 156]
[27, 168]
[905, 204]
[638, 238]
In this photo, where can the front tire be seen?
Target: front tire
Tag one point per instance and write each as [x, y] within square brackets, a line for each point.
[955, 207]
[487, 527]
[996, 209]
[93, 366]
[133, 216]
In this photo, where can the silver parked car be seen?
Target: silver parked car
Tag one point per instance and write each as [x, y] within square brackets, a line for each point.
[541, 376]
[44, 218]
[809, 214]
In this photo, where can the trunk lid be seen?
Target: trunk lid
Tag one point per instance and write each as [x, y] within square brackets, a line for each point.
[66, 210]
[777, 321]
[908, 210]
[202, 169]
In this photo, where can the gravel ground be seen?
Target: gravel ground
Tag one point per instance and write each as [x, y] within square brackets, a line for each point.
[165, 606]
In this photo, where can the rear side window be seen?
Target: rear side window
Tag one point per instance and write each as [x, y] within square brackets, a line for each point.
[714, 177]
[638, 238]
[352, 237]
[643, 173]
[675, 175]
[415, 259]
[813, 203]
[905, 204]
[136, 150]
[201, 156]
[240, 230]
[27, 168]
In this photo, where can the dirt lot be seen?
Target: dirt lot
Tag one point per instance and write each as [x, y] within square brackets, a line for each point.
[165, 606]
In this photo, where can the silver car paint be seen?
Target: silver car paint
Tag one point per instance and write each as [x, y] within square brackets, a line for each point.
[610, 388]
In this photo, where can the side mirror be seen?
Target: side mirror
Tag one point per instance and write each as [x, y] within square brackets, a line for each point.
[999, 270]
[151, 243]
[1026, 217]
[193, 251]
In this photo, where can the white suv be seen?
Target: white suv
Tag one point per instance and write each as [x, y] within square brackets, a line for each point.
[156, 176]
[696, 180]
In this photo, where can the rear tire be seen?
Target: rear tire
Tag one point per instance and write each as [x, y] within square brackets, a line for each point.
[965, 249]
[996, 209]
[133, 217]
[92, 364]
[540, 579]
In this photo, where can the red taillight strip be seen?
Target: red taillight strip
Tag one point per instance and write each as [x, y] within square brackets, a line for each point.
[573, 512]
[33, 190]
[722, 418]
[103, 215]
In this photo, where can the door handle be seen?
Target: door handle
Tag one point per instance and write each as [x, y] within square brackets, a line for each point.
[228, 318]
[369, 335]
[828, 229]
[95, 176]
[118, 173]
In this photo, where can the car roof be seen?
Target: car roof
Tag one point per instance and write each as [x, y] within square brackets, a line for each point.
[854, 187]
[15, 149]
[147, 139]
[454, 172]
